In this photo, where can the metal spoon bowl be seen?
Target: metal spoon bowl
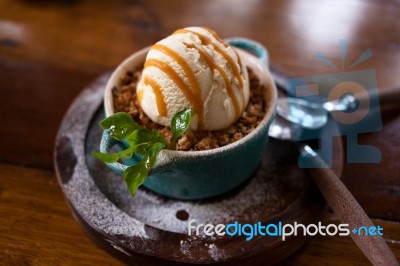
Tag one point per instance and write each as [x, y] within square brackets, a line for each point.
[312, 115]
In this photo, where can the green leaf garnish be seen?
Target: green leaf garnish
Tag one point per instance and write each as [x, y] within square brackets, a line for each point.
[142, 141]
[153, 152]
[135, 175]
[119, 125]
[142, 136]
[113, 157]
[180, 123]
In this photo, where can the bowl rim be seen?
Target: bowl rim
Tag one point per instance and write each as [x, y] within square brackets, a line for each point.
[268, 117]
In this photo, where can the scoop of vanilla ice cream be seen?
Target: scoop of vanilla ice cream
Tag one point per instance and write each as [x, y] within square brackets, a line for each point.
[194, 68]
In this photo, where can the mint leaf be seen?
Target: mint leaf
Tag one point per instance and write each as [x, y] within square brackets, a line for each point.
[135, 175]
[114, 157]
[180, 123]
[146, 139]
[142, 141]
[120, 125]
[153, 152]
[140, 136]
[106, 157]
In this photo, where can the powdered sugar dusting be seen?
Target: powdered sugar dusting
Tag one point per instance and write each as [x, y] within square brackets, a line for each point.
[215, 252]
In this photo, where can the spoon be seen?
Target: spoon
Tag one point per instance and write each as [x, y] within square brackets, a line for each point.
[335, 192]
[313, 115]
[339, 198]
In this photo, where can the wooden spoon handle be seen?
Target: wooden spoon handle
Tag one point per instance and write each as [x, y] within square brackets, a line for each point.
[346, 207]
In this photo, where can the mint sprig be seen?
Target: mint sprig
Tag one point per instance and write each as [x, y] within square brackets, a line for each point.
[140, 140]
[119, 125]
[180, 124]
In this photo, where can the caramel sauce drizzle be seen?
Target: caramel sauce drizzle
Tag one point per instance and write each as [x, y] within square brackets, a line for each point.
[192, 94]
[170, 72]
[196, 102]
[206, 41]
[239, 61]
[240, 69]
[161, 106]
[209, 61]
[139, 97]
[204, 55]
[215, 36]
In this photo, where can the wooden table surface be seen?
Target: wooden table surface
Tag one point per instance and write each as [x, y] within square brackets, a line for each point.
[50, 50]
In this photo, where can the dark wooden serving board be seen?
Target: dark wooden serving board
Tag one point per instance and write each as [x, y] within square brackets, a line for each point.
[150, 229]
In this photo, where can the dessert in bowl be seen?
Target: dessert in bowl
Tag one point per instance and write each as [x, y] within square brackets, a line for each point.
[195, 70]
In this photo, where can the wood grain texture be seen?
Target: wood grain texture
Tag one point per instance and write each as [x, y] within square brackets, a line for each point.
[37, 228]
[50, 50]
[377, 186]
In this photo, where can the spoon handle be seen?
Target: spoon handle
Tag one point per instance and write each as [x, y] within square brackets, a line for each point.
[346, 207]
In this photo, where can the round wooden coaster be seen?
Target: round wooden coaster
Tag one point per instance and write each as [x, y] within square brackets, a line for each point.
[150, 229]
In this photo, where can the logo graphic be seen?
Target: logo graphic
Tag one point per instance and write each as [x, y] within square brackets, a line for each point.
[364, 117]
[279, 229]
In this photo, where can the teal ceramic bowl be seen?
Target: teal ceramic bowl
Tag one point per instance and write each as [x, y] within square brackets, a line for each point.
[193, 175]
